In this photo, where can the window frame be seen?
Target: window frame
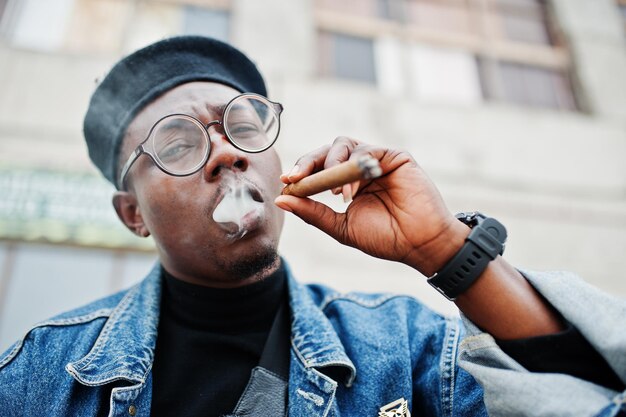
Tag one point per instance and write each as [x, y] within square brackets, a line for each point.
[489, 43]
[328, 65]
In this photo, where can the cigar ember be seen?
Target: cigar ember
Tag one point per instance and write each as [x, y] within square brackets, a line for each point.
[365, 167]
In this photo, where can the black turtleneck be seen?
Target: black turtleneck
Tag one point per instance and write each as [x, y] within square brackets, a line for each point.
[209, 339]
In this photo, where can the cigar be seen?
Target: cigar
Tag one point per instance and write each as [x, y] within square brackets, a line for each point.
[365, 167]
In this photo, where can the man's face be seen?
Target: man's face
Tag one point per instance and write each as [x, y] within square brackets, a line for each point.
[179, 211]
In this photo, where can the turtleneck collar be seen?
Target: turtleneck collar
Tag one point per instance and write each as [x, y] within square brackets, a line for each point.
[229, 310]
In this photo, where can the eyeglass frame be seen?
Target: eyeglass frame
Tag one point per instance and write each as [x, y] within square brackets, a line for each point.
[140, 149]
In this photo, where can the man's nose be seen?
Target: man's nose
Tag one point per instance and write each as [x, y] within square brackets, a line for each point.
[224, 155]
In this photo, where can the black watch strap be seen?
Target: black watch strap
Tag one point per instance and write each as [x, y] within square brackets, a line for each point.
[484, 243]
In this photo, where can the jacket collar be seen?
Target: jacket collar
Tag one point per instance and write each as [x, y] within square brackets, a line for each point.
[313, 338]
[124, 350]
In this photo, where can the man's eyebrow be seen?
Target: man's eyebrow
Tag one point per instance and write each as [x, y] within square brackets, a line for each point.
[175, 123]
[216, 109]
[177, 126]
[242, 107]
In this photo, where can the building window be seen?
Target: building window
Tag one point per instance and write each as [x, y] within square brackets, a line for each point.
[37, 24]
[526, 85]
[74, 26]
[444, 75]
[346, 56]
[457, 37]
[524, 21]
[105, 26]
[206, 22]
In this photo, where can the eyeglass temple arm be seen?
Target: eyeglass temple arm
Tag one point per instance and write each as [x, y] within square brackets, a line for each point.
[129, 163]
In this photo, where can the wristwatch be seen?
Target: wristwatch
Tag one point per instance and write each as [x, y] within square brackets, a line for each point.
[484, 243]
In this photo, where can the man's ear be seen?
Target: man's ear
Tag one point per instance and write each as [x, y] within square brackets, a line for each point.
[129, 213]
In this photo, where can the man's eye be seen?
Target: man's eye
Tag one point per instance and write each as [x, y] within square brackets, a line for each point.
[175, 150]
[244, 130]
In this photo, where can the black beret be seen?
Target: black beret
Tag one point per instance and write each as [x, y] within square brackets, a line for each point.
[144, 75]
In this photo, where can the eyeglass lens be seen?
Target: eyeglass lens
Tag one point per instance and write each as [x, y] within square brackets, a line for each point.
[181, 145]
[251, 124]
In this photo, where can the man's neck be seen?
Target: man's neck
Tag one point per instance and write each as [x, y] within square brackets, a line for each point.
[234, 280]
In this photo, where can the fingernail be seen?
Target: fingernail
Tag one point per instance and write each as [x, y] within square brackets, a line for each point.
[283, 206]
[355, 187]
[347, 193]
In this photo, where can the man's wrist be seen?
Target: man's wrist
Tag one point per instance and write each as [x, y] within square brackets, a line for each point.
[431, 257]
[485, 242]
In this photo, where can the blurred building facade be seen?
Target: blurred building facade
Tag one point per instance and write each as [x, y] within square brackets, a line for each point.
[514, 107]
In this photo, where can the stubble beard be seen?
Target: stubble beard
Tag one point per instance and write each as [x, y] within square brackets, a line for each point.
[256, 265]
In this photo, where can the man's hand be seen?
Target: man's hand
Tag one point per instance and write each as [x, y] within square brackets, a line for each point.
[399, 216]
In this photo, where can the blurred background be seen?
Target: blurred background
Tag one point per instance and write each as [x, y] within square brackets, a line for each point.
[516, 108]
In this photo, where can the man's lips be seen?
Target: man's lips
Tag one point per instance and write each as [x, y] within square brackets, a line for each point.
[248, 187]
[239, 207]
[247, 224]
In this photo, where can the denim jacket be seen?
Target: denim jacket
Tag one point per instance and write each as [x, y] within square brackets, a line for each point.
[350, 355]
[510, 390]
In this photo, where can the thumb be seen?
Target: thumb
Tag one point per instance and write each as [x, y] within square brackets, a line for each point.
[315, 214]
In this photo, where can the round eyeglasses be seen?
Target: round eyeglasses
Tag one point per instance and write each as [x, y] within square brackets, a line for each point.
[180, 145]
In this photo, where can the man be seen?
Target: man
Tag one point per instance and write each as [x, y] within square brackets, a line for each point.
[220, 326]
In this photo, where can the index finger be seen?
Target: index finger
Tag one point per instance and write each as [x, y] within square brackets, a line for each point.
[340, 151]
[306, 165]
